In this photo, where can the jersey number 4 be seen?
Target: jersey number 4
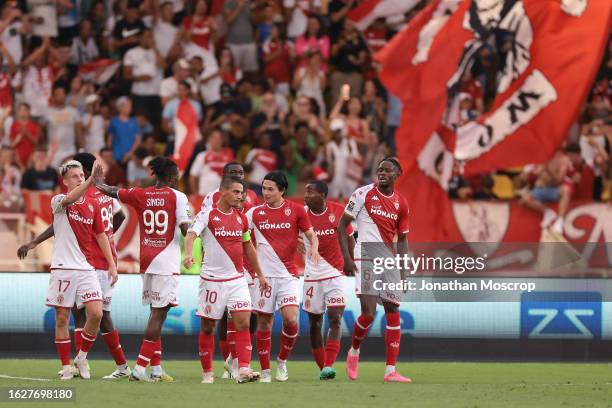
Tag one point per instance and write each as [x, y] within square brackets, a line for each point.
[155, 222]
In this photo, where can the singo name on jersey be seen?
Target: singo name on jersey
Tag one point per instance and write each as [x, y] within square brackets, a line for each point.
[379, 211]
[222, 232]
[77, 217]
[329, 231]
[155, 202]
[270, 225]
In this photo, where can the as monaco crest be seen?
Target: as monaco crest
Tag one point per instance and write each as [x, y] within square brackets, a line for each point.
[287, 211]
[332, 218]
[481, 222]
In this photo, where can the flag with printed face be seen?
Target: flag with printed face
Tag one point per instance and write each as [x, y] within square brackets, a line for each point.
[527, 63]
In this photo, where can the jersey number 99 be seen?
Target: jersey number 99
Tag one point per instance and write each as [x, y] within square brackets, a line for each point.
[155, 222]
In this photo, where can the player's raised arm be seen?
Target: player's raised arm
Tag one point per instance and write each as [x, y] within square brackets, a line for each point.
[98, 177]
[78, 192]
[343, 239]
[23, 250]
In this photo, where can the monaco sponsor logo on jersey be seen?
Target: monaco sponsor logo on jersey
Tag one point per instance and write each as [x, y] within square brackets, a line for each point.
[73, 215]
[378, 210]
[223, 232]
[267, 225]
[325, 232]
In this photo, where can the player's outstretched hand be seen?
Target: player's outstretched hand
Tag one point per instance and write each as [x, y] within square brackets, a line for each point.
[188, 262]
[112, 274]
[263, 283]
[314, 256]
[23, 250]
[98, 173]
[300, 246]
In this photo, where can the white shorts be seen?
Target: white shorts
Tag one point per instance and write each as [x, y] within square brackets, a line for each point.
[215, 296]
[67, 286]
[245, 56]
[384, 295]
[251, 284]
[107, 291]
[281, 292]
[160, 290]
[321, 294]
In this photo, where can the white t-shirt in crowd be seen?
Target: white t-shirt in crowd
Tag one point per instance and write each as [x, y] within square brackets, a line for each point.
[169, 87]
[164, 35]
[60, 127]
[299, 20]
[11, 38]
[143, 62]
[94, 137]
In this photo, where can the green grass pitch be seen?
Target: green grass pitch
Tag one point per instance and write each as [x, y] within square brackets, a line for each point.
[447, 385]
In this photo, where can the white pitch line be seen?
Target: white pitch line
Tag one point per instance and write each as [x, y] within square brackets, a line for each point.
[23, 378]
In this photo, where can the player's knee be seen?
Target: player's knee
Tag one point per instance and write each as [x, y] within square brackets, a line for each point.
[95, 316]
[62, 320]
[315, 324]
[335, 321]
[290, 321]
[106, 324]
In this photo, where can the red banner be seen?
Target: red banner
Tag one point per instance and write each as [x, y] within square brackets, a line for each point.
[536, 64]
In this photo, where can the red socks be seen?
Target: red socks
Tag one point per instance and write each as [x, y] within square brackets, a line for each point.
[77, 339]
[319, 356]
[114, 347]
[87, 340]
[288, 337]
[231, 342]
[147, 350]
[264, 344]
[393, 334]
[243, 348]
[63, 350]
[224, 347]
[156, 360]
[360, 330]
[206, 347]
[331, 352]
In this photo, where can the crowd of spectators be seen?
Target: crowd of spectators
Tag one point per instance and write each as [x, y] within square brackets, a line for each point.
[273, 84]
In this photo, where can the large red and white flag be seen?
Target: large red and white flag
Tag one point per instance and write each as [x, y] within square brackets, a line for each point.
[99, 71]
[369, 10]
[186, 133]
[540, 71]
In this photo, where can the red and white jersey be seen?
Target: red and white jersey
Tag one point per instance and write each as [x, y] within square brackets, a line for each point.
[325, 226]
[379, 217]
[75, 228]
[222, 237]
[276, 234]
[108, 207]
[160, 213]
[210, 200]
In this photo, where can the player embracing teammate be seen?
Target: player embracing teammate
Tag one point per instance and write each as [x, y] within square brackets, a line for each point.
[163, 214]
[381, 214]
[78, 227]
